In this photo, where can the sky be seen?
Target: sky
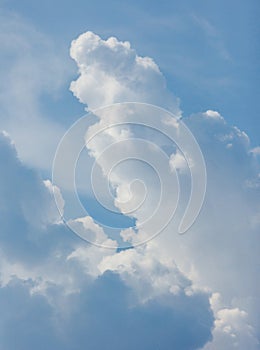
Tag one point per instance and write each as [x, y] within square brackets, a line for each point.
[140, 227]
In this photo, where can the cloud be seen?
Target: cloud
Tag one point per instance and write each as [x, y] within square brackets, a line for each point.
[99, 317]
[141, 326]
[51, 282]
[175, 291]
[256, 151]
[214, 255]
[213, 114]
[232, 328]
[178, 162]
[111, 71]
[25, 319]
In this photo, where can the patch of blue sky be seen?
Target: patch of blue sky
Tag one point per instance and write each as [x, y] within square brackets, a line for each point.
[208, 51]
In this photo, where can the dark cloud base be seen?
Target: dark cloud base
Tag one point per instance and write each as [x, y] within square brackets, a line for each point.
[102, 313]
[100, 318]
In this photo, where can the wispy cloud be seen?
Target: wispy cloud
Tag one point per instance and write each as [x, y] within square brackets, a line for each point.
[213, 35]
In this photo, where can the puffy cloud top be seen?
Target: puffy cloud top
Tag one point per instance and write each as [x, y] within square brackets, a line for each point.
[111, 71]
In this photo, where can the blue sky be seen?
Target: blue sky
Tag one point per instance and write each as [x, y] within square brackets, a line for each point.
[207, 51]
[184, 148]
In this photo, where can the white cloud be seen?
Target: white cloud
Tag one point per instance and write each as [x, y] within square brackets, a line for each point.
[213, 253]
[178, 162]
[87, 228]
[148, 273]
[232, 329]
[212, 114]
[74, 283]
[34, 243]
[53, 283]
[255, 151]
[54, 210]
[111, 71]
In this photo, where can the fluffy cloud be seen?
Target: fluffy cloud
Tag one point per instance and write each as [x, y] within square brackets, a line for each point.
[220, 252]
[193, 291]
[232, 328]
[111, 71]
[51, 282]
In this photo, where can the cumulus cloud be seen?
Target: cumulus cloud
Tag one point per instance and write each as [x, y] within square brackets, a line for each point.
[232, 328]
[212, 114]
[178, 162]
[51, 282]
[111, 71]
[215, 253]
[193, 291]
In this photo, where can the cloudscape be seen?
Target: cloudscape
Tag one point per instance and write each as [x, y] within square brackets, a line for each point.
[130, 178]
